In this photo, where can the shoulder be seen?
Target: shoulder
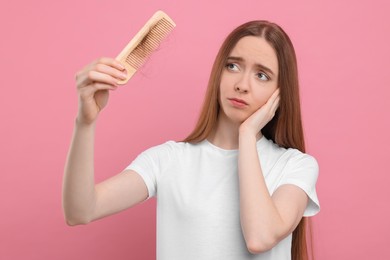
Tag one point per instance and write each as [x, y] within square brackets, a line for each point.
[301, 161]
[157, 157]
[290, 157]
[169, 148]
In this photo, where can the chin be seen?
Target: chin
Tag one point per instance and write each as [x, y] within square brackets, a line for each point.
[234, 116]
[237, 118]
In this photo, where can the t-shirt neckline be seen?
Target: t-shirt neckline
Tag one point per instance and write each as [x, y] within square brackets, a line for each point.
[229, 151]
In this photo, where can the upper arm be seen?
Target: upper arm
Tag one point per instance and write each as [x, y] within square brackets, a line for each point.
[291, 202]
[118, 193]
[296, 195]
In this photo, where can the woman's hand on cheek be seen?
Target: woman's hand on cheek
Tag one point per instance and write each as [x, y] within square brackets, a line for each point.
[254, 123]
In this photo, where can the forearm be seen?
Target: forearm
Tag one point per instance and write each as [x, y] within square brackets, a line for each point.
[78, 183]
[260, 219]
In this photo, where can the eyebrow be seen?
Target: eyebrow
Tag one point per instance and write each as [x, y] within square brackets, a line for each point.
[261, 66]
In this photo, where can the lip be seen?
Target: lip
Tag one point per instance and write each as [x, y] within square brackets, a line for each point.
[237, 102]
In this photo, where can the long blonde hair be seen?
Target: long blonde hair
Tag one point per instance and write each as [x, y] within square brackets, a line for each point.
[285, 129]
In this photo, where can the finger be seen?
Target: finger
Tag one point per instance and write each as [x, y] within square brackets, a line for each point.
[273, 102]
[101, 86]
[275, 105]
[98, 77]
[105, 69]
[275, 95]
[93, 88]
[102, 62]
[109, 62]
[112, 71]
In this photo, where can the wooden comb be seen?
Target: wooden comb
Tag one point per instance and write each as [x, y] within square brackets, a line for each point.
[145, 42]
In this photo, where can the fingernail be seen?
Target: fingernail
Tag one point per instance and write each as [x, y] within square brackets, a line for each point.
[121, 66]
[123, 76]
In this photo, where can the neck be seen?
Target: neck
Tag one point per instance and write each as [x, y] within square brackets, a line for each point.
[226, 133]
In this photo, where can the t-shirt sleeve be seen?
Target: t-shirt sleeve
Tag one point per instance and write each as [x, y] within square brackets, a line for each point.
[302, 170]
[149, 165]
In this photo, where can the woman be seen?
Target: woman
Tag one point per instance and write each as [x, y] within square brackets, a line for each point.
[238, 186]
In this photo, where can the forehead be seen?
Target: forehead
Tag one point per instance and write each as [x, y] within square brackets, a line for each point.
[256, 50]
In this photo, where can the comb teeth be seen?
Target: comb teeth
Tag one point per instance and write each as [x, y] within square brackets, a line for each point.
[147, 40]
[149, 44]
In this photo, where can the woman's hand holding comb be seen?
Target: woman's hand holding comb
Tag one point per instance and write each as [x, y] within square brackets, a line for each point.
[93, 84]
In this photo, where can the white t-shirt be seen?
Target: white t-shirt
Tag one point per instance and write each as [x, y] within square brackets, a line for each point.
[197, 192]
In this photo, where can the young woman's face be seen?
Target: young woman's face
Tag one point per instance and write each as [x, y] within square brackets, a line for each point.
[249, 78]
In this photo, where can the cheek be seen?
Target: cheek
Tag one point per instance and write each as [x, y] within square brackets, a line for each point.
[224, 84]
[260, 103]
[224, 89]
[262, 95]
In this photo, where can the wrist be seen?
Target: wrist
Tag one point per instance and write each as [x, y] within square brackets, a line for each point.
[80, 123]
[247, 136]
[246, 132]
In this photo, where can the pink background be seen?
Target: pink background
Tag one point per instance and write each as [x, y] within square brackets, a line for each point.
[344, 61]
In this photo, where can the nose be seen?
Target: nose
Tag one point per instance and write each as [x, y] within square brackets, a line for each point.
[242, 85]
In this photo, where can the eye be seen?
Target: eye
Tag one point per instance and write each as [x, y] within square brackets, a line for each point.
[232, 67]
[262, 76]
